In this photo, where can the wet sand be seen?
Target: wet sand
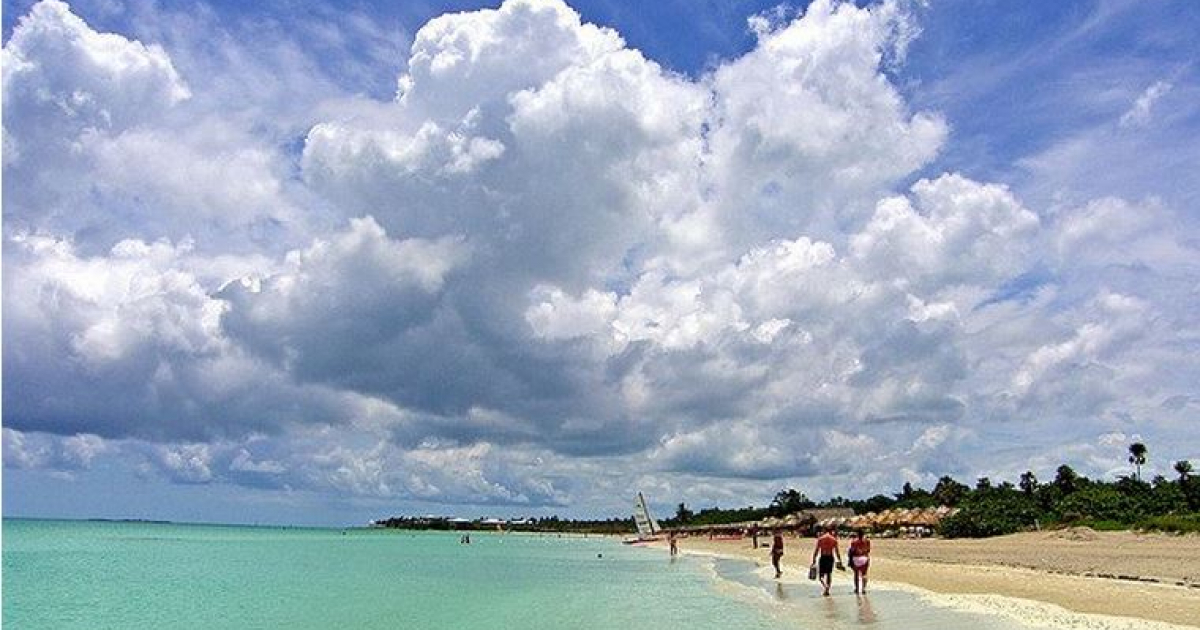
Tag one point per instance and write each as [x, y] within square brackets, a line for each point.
[1120, 574]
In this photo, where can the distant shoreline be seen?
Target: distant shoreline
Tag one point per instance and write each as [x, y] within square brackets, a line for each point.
[346, 528]
[141, 521]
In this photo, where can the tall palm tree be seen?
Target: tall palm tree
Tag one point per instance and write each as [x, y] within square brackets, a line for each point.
[1029, 482]
[1137, 457]
[1184, 468]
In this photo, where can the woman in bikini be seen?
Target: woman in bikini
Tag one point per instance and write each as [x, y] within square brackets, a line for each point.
[860, 560]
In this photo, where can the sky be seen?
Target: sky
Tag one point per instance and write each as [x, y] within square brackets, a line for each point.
[317, 263]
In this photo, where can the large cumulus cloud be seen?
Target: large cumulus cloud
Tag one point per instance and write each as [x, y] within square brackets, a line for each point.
[108, 142]
[549, 269]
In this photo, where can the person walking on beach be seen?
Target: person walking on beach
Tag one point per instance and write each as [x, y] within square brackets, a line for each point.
[859, 555]
[777, 552]
[823, 558]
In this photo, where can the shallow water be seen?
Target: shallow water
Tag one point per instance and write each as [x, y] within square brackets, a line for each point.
[72, 574]
[881, 608]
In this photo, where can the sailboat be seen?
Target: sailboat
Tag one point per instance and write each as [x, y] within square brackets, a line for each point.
[648, 529]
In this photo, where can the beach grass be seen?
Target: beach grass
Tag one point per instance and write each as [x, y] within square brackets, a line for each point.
[1171, 523]
[1103, 525]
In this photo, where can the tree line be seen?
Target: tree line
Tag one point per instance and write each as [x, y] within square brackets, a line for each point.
[547, 524]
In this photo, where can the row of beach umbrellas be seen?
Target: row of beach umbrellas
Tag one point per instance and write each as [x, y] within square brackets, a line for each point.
[916, 517]
[791, 520]
[887, 519]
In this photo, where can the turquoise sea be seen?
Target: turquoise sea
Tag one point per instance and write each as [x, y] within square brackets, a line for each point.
[75, 574]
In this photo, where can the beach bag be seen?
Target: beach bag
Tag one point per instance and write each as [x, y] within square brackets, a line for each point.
[812, 572]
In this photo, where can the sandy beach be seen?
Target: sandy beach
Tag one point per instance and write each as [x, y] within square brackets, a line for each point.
[1087, 578]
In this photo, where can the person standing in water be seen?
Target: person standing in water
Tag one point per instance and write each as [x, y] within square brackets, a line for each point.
[674, 544]
[859, 555]
[823, 558]
[777, 552]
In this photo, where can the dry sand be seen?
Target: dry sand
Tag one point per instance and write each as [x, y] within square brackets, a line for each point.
[1148, 577]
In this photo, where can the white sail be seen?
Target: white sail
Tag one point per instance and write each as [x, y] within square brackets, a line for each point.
[647, 527]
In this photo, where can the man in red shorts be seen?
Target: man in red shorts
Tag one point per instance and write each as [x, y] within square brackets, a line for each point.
[824, 556]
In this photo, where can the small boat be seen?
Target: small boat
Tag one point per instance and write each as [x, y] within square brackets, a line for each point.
[648, 529]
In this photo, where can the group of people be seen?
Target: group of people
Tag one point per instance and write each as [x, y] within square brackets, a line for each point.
[827, 555]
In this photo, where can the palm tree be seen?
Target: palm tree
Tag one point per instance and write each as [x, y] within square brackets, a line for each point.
[1137, 457]
[1066, 479]
[789, 501]
[1184, 468]
[1029, 482]
[949, 492]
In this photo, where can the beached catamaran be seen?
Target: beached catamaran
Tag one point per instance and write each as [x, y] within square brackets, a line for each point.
[648, 529]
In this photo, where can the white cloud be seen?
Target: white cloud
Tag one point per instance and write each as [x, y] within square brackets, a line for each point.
[555, 315]
[463, 60]
[61, 78]
[734, 449]
[117, 305]
[194, 172]
[959, 231]
[112, 145]
[807, 127]
[59, 453]
[932, 437]
[1139, 114]
[142, 321]
[245, 462]
[188, 463]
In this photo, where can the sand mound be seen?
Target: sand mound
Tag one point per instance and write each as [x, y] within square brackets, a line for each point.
[1075, 533]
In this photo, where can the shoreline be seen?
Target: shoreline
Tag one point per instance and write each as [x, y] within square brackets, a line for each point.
[990, 586]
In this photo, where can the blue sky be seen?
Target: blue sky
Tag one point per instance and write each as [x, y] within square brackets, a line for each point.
[709, 250]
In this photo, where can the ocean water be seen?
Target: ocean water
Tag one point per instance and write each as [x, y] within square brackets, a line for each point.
[72, 574]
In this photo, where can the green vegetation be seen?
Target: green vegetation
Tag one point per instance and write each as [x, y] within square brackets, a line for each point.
[1074, 500]
[718, 516]
[989, 511]
[1105, 526]
[1171, 523]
